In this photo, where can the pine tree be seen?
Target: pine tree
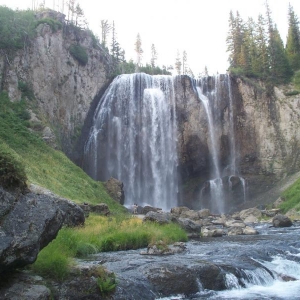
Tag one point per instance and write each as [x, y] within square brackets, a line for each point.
[235, 40]
[178, 63]
[153, 56]
[293, 40]
[105, 29]
[280, 70]
[185, 67]
[139, 51]
[261, 64]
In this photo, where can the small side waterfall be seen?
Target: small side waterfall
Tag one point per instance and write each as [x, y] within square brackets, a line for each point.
[133, 138]
[210, 98]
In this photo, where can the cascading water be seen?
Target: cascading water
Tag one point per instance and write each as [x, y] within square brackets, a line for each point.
[211, 103]
[133, 139]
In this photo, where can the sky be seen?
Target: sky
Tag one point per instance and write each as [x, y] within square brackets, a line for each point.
[197, 26]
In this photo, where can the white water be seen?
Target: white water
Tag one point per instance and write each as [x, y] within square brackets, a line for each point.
[133, 139]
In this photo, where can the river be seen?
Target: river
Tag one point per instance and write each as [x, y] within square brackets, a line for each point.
[264, 266]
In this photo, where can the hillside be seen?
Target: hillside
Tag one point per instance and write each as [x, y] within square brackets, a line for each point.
[45, 166]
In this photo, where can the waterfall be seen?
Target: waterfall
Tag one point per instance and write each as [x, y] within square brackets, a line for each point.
[210, 96]
[133, 139]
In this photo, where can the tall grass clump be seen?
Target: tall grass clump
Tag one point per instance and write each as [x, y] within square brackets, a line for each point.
[101, 234]
[292, 197]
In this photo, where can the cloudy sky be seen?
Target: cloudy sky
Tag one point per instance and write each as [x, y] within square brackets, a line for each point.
[198, 26]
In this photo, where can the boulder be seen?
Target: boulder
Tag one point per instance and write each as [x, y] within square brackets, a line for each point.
[100, 209]
[235, 231]
[212, 231]
[250, 215]
[190, 214]
[204, 213]
[178, 210]
[249, 230]
[189, 226]
[161, 248]
[29, 223]
[115, 189]
[25, 286]
[234, 223]
[281, 221]
[148, 208]
[159, 217]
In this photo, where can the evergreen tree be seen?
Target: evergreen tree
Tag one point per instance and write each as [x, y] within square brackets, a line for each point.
[116, 51]
[281, 71]
[178, 63]
[153, 56]
[261, 64]
[235, 40]
[293, 40]
[105, 29]
[184, 63]
[139, 51]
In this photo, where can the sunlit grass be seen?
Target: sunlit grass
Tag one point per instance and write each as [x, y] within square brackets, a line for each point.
[101, 234]
[292, 197]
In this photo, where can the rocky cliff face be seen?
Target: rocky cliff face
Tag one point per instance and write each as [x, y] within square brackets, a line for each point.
[265, 133]
[255, 140]
[63, 88]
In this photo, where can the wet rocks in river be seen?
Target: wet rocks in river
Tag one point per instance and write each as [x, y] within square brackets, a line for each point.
[161, 248]
[281, 221]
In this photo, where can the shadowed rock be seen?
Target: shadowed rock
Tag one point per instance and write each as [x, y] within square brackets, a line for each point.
[29, 222]
[282, 221]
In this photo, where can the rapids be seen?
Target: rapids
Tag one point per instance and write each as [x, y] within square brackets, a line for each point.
[264, 266]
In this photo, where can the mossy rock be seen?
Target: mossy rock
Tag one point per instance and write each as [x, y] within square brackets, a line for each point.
[12, 171]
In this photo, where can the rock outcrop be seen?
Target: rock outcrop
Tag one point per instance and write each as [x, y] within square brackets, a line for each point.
[63, 88]
[29, 222]
[115, 189]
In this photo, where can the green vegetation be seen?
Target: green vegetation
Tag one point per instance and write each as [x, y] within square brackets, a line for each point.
[296, 80]
[43, 165]
[106, 283]
[16, 28]
[292, 93]
[12, 171]
[79, 53]
[101, 234]
[26, 90]
[292, 197]
[55, 25]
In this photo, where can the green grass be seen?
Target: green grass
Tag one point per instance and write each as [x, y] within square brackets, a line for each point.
[45, 166]
[53, 170]
[101, 234]
[292, 197]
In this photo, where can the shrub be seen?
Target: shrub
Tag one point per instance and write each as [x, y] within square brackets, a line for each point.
[12, 172]
[54, 24]
[26, 90]
[79, 53]
[297, 80]
[292, 93]
[106, 283]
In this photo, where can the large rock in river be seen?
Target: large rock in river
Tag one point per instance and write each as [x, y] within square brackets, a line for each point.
[282, 221]
[29, 222]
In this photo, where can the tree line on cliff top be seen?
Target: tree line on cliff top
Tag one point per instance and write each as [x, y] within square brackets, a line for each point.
[257, 50]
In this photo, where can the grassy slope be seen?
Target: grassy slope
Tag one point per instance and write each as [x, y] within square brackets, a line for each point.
[43, 165]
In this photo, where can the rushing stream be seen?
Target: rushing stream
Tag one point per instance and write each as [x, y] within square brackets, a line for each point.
[264, 266]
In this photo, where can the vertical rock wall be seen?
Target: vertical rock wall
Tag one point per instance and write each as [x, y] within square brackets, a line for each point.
[63, 88]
